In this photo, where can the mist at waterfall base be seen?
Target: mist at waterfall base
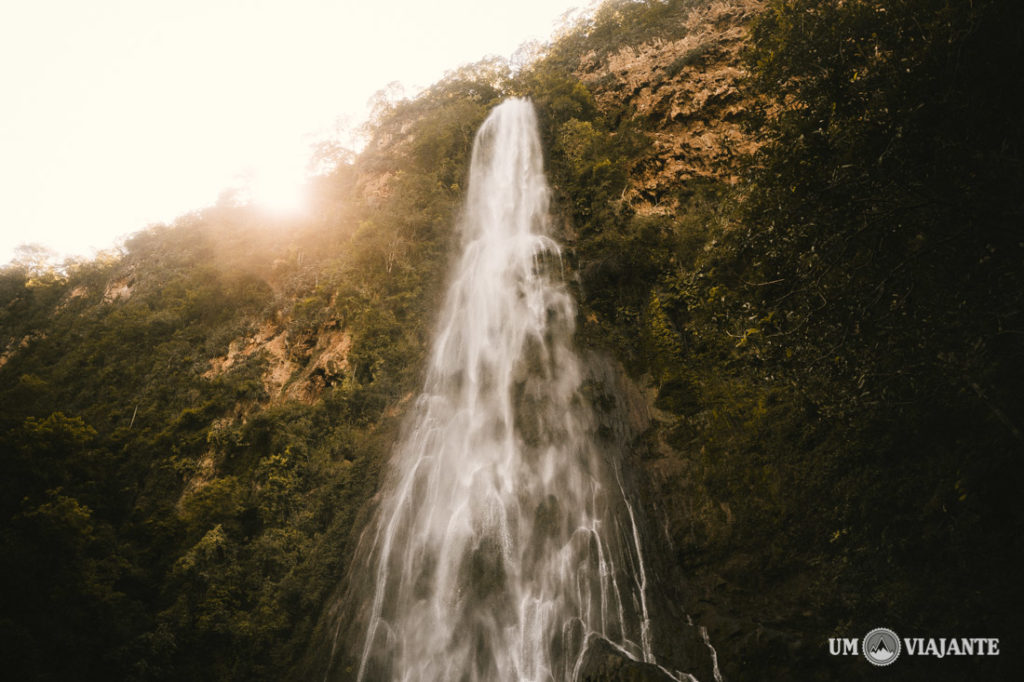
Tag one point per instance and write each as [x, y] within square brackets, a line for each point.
[504, 545]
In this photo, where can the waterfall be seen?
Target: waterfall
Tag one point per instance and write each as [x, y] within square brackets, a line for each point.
[503, 543]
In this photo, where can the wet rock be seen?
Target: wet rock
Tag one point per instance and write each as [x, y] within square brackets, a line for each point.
[603, 662]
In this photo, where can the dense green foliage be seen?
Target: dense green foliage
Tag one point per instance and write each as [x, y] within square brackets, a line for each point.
[835, 347]
[839, 337]
[165, 519]
[871, 281]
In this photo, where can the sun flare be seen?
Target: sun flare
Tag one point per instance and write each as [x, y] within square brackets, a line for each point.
[136, 113]
[279, 190]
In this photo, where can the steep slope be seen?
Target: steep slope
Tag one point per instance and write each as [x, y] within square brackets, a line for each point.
[190, 428]
[826, 330]
[685, 93]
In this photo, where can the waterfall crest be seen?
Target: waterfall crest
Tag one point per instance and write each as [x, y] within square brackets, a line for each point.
[503, 541]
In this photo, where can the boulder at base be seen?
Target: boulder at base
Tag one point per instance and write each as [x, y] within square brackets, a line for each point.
[602, 662]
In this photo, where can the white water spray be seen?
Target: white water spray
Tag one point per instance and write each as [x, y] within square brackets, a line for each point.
[504, 541]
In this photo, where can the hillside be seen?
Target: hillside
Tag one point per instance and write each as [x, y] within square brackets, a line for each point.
[793, 229]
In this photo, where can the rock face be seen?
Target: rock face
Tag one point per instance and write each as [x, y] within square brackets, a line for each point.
[120, 289]
[602, 662]
[299, 367]
[686, 92]
[686, 95]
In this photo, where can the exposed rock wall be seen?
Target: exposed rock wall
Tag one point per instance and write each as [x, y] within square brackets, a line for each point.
[686, 94]
[299, 366]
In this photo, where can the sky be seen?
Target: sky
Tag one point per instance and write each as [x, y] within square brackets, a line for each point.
[119, 114]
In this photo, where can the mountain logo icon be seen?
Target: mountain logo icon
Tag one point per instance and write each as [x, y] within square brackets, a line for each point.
[881, 646]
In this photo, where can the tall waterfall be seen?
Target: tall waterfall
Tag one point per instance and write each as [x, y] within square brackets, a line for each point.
[503, 542]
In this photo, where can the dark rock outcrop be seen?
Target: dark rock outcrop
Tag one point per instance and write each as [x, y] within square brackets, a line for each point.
[603, 662]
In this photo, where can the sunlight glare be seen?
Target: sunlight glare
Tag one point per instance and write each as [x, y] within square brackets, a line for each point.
[122, 114]
[278, 182]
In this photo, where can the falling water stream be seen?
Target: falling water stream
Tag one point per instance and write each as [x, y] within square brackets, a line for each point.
[504, 541]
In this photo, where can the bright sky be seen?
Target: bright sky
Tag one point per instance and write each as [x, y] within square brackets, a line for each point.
[117, 114]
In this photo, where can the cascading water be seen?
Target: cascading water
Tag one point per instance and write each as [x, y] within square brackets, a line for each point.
[503, 542]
